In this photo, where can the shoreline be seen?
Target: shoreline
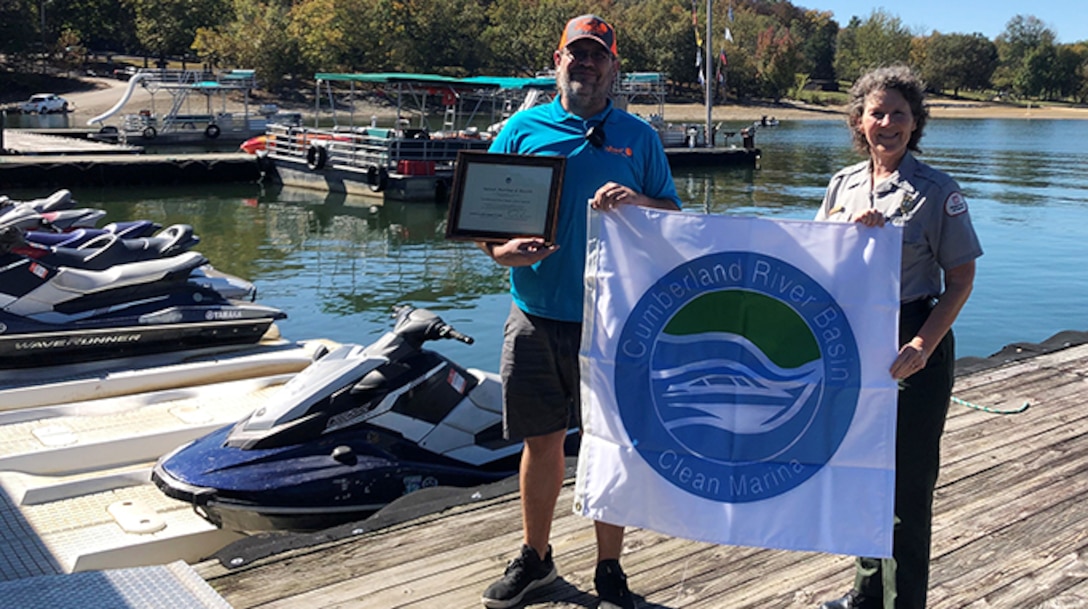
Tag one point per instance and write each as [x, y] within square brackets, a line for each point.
[790, 111]
[103, 93]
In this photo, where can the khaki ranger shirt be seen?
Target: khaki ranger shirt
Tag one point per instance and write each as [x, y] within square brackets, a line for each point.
[937, 230]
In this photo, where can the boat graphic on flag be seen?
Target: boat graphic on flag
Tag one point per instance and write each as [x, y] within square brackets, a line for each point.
[735, 380]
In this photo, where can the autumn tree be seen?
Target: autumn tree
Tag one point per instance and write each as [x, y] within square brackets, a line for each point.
[254, 38]
[777, 61]
[344, 35]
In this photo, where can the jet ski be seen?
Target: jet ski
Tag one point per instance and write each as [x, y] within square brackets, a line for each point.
[54, 311]
[354, 431]
[99, 248]
[133, 229]
[55, 213]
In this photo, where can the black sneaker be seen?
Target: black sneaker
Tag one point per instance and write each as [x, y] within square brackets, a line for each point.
[611, 584]
[526, 572]
[852, 600]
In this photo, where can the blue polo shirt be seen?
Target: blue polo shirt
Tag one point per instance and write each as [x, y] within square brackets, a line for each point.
[632, 155]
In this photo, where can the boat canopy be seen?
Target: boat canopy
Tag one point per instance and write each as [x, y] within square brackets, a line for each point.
[492, 82]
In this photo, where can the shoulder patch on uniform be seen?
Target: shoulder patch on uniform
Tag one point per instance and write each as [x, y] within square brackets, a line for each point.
[955, 204]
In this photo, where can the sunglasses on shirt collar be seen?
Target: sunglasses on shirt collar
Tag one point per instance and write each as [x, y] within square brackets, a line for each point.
[595, 133]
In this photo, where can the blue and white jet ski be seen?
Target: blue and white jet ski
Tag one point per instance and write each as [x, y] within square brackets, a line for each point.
[357, 429]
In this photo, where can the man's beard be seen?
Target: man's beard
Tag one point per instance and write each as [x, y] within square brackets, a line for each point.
[581, 95]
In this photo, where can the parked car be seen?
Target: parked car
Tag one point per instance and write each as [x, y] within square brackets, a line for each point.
[44, 103]
[125, 73]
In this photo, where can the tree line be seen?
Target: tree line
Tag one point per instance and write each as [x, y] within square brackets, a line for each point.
[761, 48]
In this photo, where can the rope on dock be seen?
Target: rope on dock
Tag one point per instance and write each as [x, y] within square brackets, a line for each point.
[1018, 410]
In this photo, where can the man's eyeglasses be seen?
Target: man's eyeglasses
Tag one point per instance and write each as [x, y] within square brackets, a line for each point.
[580, 55]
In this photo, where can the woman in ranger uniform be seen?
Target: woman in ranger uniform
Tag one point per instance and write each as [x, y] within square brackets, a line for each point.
[886, 116]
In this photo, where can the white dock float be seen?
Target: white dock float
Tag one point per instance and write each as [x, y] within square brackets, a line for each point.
[75, 479]
[174, 585]
[81, 523]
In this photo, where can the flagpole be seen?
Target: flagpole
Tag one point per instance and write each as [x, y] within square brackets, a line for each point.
[709, 133]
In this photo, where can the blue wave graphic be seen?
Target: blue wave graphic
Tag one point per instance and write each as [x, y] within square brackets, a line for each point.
[723, 380]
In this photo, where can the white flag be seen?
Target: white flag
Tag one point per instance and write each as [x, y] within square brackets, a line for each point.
[735, 379]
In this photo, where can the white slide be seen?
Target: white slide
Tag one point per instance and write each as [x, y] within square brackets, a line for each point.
[132, 82]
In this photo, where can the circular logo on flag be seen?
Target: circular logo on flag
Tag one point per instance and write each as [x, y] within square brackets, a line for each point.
[737, 376]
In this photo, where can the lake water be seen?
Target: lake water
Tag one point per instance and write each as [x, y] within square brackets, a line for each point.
[336, 265]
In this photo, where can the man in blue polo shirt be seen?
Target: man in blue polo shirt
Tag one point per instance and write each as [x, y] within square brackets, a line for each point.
[613, 158]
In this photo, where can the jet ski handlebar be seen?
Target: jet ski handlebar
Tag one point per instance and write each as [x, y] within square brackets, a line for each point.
[448, 332]
[424, 324]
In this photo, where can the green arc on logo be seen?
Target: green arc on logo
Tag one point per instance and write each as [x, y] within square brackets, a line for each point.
[770, 324]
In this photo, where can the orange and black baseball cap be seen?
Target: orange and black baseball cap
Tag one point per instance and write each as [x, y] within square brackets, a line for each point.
[592, 27]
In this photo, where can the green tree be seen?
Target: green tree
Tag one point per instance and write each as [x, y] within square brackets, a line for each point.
[847, 60]
[958, 61]
[1023, 36]
[18, 27]
[816, 31]
[440, 36]
[523, 34]
[656, 36]
[1036, 78]
[102, 25]
[1080, 73]
[168, 27]
[1067, 64]
[881, 39]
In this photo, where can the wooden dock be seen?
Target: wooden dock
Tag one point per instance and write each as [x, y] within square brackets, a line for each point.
[713, 157]
[1010, 531]
[68, 171]
[28, 142]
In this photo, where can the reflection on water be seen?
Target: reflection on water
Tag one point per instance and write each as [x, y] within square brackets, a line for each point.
[17, 120]
[336, 264]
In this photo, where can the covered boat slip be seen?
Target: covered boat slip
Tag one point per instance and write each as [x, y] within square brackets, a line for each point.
[1008, 530]
[407, 160]
[464, 99]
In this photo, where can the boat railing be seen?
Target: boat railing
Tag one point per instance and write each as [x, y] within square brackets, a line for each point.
[226, 78]
[361, 148]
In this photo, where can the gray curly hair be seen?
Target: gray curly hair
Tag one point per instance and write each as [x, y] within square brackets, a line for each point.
[897, 77]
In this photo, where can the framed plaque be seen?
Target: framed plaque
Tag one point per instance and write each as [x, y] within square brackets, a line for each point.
[497, 197]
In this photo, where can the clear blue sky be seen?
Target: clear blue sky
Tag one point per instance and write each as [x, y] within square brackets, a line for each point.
[1068, 19]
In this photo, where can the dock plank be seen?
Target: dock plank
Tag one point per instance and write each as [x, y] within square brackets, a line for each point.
[1008, 530]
